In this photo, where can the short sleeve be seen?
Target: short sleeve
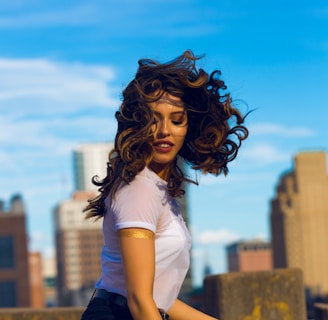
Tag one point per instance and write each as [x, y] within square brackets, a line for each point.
[137, 205]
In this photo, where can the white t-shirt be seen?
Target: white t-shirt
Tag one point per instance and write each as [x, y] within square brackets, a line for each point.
[146, 203]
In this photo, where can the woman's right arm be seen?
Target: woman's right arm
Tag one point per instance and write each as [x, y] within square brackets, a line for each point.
[138, 254]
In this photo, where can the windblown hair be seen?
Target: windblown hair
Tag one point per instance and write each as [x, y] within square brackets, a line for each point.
[211, 140]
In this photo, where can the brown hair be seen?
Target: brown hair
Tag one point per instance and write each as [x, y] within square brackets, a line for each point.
[211, 141]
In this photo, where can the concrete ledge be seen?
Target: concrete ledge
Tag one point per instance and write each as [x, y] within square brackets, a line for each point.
[321, 311]
[69, 313]
[264, 295]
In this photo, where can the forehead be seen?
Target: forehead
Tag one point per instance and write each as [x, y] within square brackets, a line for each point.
[168, 100]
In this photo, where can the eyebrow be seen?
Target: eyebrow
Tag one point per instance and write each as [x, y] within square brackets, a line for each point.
[183, 112]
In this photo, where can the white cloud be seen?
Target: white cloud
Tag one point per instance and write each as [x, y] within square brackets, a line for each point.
[221, 236]
[57, 135]
[25, 18]
[48, 107]
[237, 178]
[264, 154]
[44, 87]
[280, 130]
[262, 236]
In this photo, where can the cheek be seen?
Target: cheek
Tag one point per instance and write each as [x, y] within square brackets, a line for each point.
[154, 128]
[181, 132]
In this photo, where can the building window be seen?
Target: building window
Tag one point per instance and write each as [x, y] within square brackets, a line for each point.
[7, 249]
[8, 294]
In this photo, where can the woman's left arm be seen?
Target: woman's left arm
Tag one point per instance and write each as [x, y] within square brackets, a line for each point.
[182, 311]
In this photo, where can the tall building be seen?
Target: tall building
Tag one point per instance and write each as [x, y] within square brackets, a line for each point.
[251, 255]
[187, 284]
[14, 263]
[78, 247]
[90, 159]
[49, 271]
[36, 280]
[299, 220]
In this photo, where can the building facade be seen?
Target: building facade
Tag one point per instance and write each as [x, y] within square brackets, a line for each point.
[251, 255]
[49, 271]
[37, 293]
[187, 285]
[299, 220]
[90, 159]
[14, 259]
[78, 247]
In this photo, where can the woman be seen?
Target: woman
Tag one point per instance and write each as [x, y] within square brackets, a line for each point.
[169, 111]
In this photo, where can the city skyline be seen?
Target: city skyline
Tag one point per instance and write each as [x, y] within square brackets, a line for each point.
[63, 67]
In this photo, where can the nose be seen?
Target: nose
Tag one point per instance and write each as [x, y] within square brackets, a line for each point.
[163, 129]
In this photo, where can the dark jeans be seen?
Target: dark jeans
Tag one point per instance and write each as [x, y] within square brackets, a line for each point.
[100, 309]
[109, 306]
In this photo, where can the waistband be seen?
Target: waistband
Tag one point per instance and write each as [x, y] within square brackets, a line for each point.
[119, 300]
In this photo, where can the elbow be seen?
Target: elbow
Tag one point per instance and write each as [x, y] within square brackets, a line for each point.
[138, 303]
[134, 304]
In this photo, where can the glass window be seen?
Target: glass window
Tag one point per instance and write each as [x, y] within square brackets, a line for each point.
[8, 294]
[7, 252]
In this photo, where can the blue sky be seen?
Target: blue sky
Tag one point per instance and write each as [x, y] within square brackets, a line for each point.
[63, 65]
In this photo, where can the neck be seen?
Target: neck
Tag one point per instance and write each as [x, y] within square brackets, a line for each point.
[163, 172]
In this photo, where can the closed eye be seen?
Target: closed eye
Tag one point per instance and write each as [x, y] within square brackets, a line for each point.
[178, 118]
[178, 122]
[181, 120]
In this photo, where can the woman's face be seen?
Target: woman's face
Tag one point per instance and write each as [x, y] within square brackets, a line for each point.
[170, 129]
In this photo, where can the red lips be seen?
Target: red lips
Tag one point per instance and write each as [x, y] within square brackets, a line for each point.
[163, 146]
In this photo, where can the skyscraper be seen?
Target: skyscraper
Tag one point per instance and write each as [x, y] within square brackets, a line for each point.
[299, 220]
[90, 159]
[78, 247]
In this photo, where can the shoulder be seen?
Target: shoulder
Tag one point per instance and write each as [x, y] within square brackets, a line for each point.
[145, 181]
[139, 203]
[146, 188]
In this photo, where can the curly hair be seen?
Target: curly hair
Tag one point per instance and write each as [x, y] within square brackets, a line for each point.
[211, 140]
